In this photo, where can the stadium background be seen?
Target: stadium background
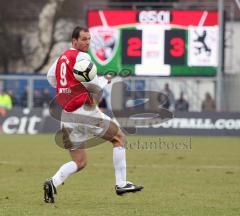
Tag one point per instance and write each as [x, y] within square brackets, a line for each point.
[189, 165]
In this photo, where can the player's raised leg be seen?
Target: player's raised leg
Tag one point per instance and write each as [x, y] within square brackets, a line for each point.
[117, 137]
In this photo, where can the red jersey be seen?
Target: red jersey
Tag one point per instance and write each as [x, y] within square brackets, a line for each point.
[71, 94]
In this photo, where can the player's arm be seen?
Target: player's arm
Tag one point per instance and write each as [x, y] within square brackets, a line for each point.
[95, 86]
[51, 77]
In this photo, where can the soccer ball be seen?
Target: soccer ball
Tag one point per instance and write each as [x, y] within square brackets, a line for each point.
[84, 70]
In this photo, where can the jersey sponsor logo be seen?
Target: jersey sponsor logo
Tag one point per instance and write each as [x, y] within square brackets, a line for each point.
[104, 43]
[65, 90]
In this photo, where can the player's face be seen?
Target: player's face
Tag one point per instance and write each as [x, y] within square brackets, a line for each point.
[83, 41]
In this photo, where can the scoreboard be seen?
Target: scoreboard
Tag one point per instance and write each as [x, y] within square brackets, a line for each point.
[154, 42]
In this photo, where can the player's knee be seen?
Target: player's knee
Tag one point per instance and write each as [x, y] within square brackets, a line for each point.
[119, 139]
[122, 137]
[81, 164]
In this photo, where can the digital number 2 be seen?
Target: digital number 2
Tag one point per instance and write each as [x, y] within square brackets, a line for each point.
[134, 46]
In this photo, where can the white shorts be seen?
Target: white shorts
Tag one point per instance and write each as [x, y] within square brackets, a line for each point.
[85, 122]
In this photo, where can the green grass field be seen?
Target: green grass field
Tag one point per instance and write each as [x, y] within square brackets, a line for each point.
[201, 181]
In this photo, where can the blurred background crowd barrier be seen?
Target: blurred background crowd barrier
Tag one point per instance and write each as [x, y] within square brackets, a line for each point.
[191, 64]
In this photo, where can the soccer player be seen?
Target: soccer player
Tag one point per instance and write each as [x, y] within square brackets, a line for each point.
[81, 102]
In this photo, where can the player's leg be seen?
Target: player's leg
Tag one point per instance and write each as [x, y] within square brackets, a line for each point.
[79, 156]
[78, 162]
[115, 135]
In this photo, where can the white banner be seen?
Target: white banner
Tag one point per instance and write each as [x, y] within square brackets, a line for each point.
[203, 46]
[152, 51]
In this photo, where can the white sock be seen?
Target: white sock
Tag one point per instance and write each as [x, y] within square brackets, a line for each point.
[119, 162]
[65, 170]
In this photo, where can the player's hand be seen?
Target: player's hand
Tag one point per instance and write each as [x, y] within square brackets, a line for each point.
[108, 78]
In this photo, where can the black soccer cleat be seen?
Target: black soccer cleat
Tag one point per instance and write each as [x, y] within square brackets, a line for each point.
[49, 191]
[129, 187]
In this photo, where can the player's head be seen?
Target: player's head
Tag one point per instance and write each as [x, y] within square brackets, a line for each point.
[81, 38]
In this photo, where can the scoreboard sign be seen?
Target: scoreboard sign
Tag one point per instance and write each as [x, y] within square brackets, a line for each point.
[155, 42]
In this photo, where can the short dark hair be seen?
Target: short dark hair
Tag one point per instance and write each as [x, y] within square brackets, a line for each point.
[77, 30]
